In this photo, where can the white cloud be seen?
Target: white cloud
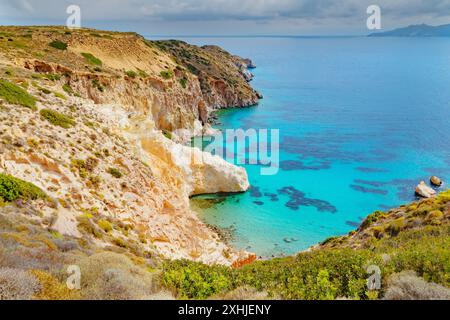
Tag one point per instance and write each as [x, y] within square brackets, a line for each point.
[314, 13]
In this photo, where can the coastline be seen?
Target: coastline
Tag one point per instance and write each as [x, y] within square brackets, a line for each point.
[117, 158]
[91, 176]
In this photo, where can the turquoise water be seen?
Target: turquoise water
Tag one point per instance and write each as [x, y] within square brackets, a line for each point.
[361, 120]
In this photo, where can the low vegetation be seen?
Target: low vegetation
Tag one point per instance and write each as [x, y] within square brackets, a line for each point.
[167, 134]
[34, 264]
[68, 89]
[183, 82]
[116, 173]
[408, 286]
[14, 94]
[90, 58]
[105, 225]
[51, 76]
[335, 270]
[166, 74]
[17, 284]
[51, 288]
[131, 74]
[321, 274]
[12, 189]
[96, 84]
[57, 119]
[57, 44]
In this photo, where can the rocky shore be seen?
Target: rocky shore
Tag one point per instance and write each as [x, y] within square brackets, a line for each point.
[92, 118]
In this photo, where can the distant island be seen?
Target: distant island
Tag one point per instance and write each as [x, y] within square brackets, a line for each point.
[420, 30]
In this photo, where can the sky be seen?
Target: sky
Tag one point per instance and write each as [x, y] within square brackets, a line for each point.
[228, 17]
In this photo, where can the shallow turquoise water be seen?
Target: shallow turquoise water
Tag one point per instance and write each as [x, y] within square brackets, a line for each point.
[361, 120]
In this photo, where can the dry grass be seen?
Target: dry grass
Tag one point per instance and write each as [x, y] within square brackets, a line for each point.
[408, 286]
[52, 289]
[113, 276]
[243, 293]
[16, 284]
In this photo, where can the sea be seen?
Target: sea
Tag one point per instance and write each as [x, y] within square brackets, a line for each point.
[361, 122]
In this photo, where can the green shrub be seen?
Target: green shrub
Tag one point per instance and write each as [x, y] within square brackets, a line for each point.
[143, 74]
[116, 173]
[131, 74]
[57, 44]
[85, 166]
[322, 273]
[12, 188]
[98, 85]
[67, 88]
[330, 240]
[60, 95]
[120, 242]
[167, 134]
[78, 163]
[196, 280]
[57, 119]
[45, 90]
[183, 82]
[52, 76]
[90, 58]
[371, 219]
[105, 225]
[424, 251]
[24, 84]
[396, 226]
[16, 95]
[86, 224]
[434, 216]
[166, 74]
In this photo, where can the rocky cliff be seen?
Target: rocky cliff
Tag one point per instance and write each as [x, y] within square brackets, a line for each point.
[174, 83]
[90, 118]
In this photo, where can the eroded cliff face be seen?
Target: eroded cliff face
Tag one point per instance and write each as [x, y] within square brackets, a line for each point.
[112, 165]
[177, 84]
[223, 77]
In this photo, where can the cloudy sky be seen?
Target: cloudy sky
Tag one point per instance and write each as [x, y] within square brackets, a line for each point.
[227, 17]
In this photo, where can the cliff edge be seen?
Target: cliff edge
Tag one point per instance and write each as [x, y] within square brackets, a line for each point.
[90, 118]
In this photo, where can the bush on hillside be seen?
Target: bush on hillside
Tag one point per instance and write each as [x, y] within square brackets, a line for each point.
[90, 58]
[57, 119]
[166, 74]
[14, 94]
[57, 44]
[12, 188]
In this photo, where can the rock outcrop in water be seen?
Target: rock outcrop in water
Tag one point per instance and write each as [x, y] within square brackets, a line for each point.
[89, 117]
[436, 181]
[424, 191]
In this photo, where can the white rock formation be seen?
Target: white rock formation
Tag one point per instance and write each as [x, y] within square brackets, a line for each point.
[424, 191]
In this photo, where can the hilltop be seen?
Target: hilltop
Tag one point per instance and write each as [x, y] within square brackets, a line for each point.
[420, 30]
[124, 68]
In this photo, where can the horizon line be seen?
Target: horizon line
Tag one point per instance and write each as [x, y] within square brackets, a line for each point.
[250, 36]
[202, 35]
